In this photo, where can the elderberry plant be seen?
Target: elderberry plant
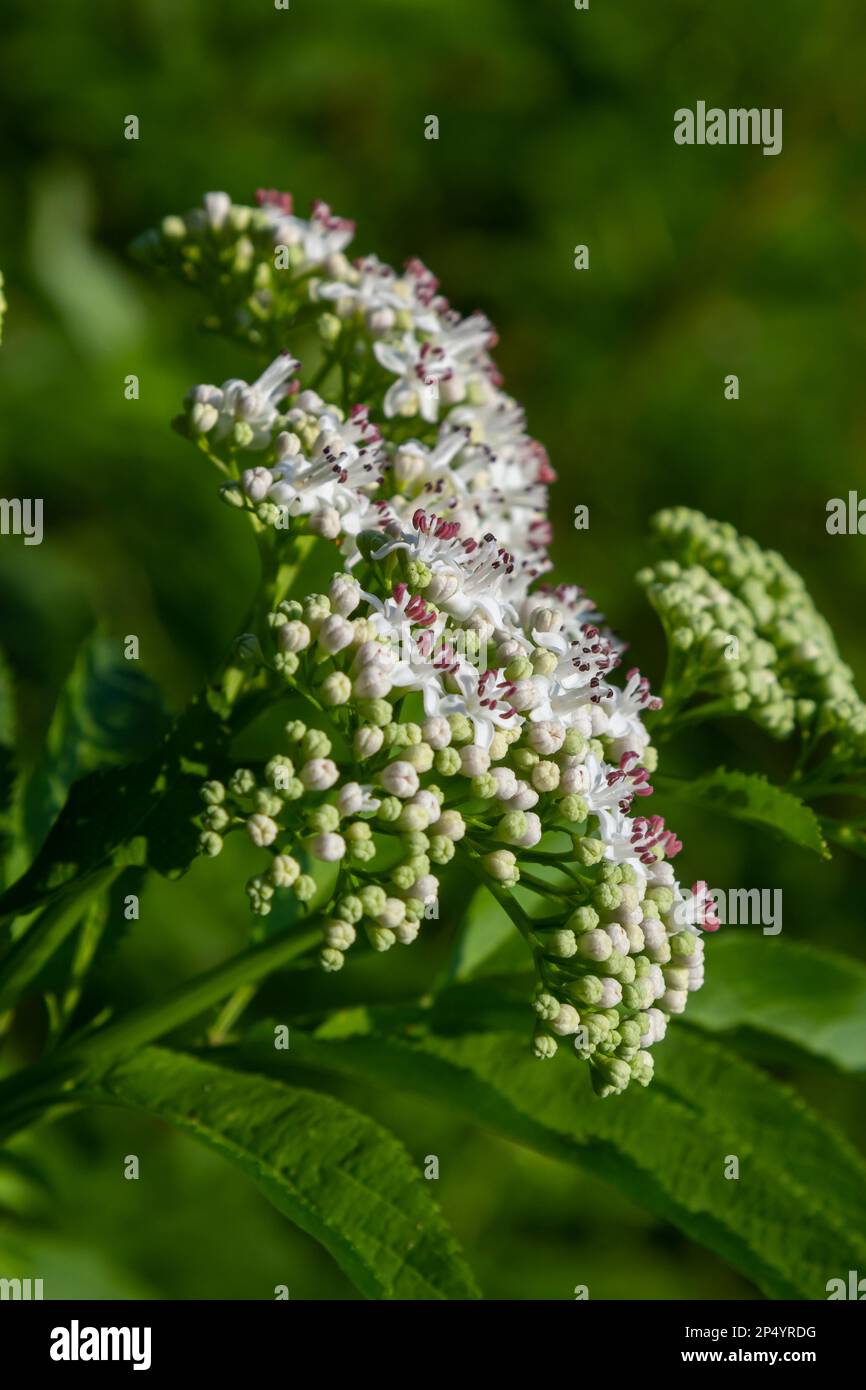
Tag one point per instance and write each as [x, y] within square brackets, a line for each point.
[464, 715]
[431, 710]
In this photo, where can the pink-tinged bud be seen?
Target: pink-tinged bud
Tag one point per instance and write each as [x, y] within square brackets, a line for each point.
[436, 731]
[400, 779]
[450, 824]
[474, 760]
[328, 847]
[335, 633]
[547, 737]
[524, 798]
[319, 774]
[506, 783]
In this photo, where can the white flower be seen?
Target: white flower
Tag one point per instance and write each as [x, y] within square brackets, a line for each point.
[238, 402]
[323, 236]
[484, 699]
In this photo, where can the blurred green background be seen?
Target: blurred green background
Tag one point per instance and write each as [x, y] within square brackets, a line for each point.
[556, 128]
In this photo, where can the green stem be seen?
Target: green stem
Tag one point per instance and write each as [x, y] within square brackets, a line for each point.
[230, 1013]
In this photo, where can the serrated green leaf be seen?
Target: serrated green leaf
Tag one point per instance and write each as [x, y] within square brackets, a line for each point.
[796, 1216]
[811, 998]
[108, 713]
[334, 1172]
[749, 797]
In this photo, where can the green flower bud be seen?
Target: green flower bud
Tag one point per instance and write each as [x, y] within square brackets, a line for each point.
[324, 818]
[642, 1068]
[215, 818]
[637, 997]
[420, 755]
[562, 944]
[441, 849]
[285, 871]
[610, 1075]
[512, 827]
[627, 970]
[418, 575]
[583, 919]
[329, 327]
[524, 758]
[278, 772]
[390, 808]
[213, 793]
[286, 664]
[376, 712]
[210, 843]
[575, 743]
[242, 783]
[305, 888]
[607, 896]
[373, 899]
[331, 959]
[295, 730]
[573, 808]
[315, 744]
[381, 938]
[447, 762]
[589, 851]
[547, 1007]
[662, 896]
[336, 689]
[588, 990]
[462, 730]
[682, 945]
[543, 1046]
[483, 786]
[403, 877]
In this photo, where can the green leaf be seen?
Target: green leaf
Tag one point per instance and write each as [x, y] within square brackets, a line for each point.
[796, 1216]
[108, 713]
[22, 962]
[9, 781]
[141, 813]
[749, 797]
[335, 1173]
[811, 998]
[488, 940]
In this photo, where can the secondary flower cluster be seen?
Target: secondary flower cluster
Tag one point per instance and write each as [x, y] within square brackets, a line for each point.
[458, 710]
[744, 630]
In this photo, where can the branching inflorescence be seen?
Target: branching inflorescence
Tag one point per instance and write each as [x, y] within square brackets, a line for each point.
[459, 710]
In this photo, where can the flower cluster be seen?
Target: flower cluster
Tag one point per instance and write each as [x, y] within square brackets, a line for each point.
[743, 629]
[455, 438]
[458, 710]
